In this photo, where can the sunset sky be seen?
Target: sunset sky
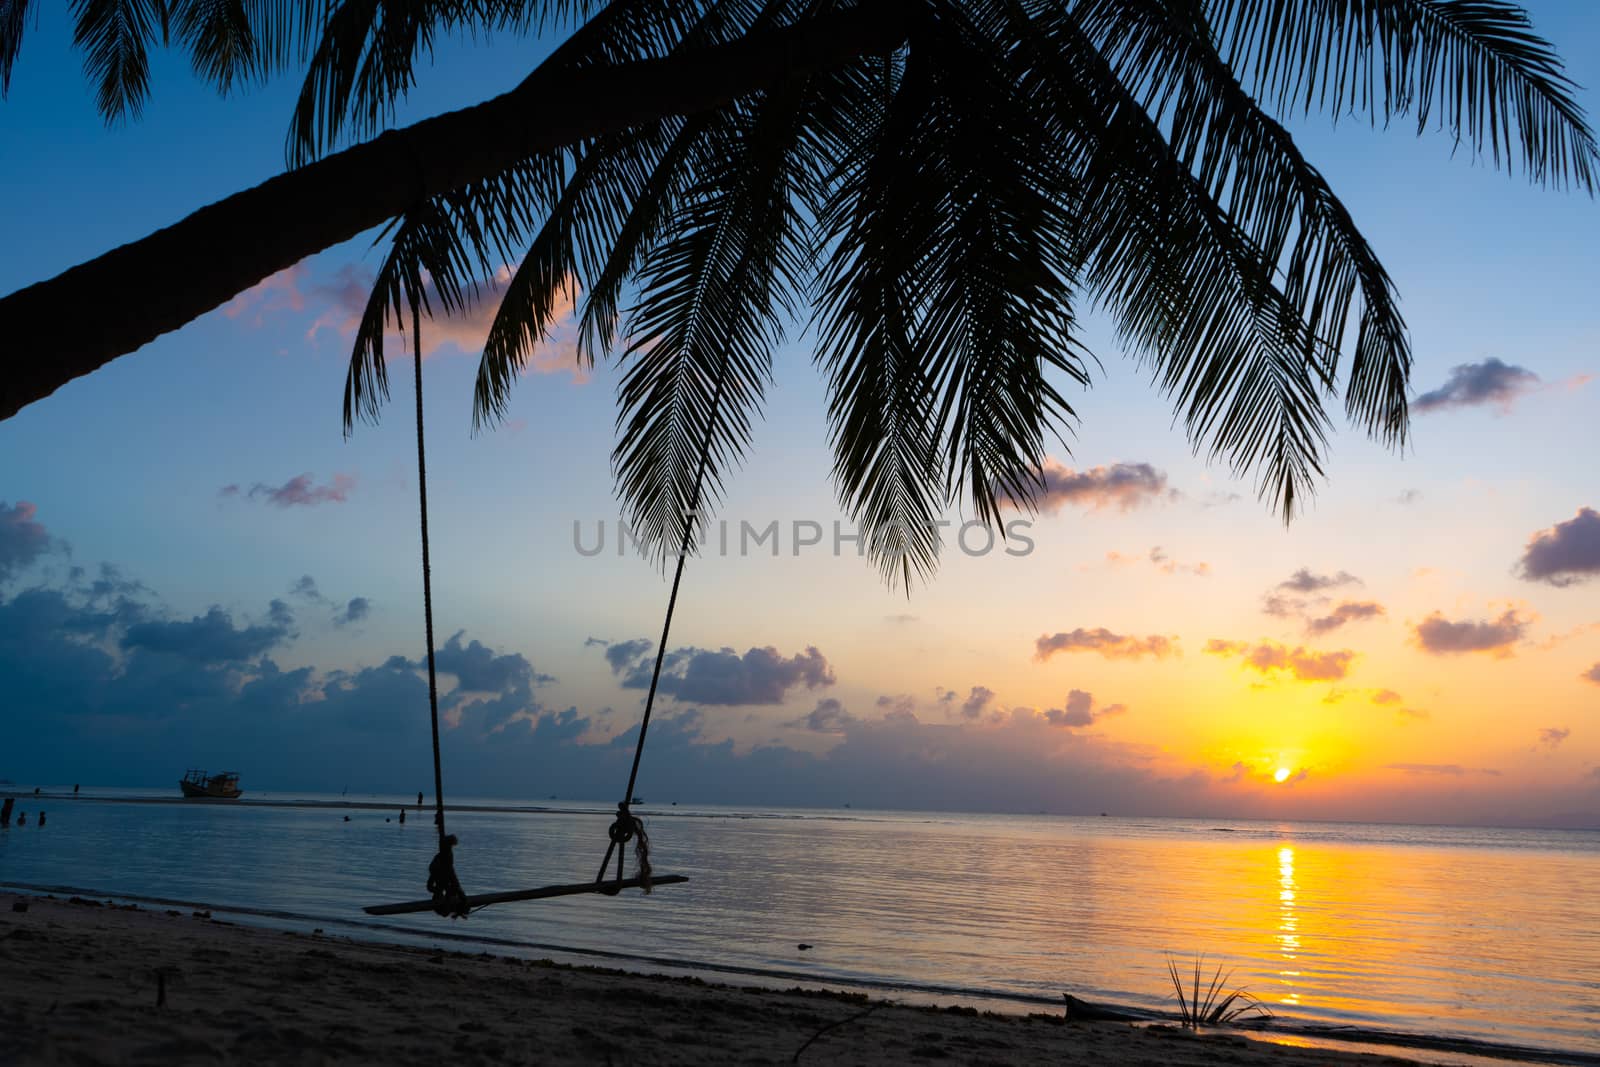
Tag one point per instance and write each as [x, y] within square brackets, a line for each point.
[196, 568]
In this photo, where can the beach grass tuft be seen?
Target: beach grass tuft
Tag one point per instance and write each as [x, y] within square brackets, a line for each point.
[1208, 1001]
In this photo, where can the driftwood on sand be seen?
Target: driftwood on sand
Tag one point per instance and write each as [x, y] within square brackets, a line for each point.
[1080, 1010]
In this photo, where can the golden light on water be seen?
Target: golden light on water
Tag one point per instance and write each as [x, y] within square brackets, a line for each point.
[1288, 935]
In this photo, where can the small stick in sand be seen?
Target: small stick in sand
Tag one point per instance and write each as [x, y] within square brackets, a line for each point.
[835, 1025]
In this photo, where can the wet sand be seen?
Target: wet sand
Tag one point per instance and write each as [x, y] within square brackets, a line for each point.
[80, 984]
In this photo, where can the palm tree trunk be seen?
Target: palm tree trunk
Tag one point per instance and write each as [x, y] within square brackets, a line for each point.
[80, 320]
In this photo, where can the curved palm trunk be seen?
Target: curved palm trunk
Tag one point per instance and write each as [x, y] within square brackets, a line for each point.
[158, 283]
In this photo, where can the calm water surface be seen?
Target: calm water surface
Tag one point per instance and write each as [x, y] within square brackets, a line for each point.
[1491, 935]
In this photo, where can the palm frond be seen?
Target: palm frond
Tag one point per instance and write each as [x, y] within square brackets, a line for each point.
[615, 199]
[362, 65]
[628, 171]
[1475, 67]
[232, 41]
[622, 190]
[115, 36]
[1189, 288]
[435, 258]
[660, 188]
[221, 39]
[1247, 161]
[997, 317]
[366, 55]
[13, 24]
[714, 293]
[877, 225]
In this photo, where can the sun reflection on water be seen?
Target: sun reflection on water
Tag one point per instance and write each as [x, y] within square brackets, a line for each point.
[1288, 937]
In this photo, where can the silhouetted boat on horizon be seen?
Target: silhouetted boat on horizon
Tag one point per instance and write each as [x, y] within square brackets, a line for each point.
[198, 785]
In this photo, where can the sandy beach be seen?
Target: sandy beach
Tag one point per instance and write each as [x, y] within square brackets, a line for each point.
[80, 983]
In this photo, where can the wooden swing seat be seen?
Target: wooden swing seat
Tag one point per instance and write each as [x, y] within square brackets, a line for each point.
[411, 906]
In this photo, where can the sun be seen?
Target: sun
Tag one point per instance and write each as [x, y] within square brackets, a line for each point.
[1281, 774]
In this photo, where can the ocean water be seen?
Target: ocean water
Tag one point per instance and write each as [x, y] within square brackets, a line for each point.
[1478, 934]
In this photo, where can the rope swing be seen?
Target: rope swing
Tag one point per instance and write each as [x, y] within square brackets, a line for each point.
[443, 885]
[446, 897]
[627, 825]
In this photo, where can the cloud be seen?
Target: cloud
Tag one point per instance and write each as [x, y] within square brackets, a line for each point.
[306, 587]
[479, 669]
[1158, 558]
[1305, 581]
[1440, 636]
[212, 637]
[1261, 772]
[1349, 611]
[283, 291]
[902, 619]
[1304, 599]
[902, 707]
[828, 717]
[1592, 674]
[22, 538]
[760, 676]
[621, 655]
[1304, 664]
[125, 688]
[354, 611]
[1124, 486]
[299, 491]
[1454, 770]
[1388, 698]
[1167, 565]
[1103, 641]
[339, 303]
[78, 706]
[1282, 607]
[1408, 496]
[1565, 554]
[1552, 736]
[1479, 384]
[980, 698]
[1080, 711]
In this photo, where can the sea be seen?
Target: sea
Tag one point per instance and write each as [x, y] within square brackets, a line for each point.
[1460, 940]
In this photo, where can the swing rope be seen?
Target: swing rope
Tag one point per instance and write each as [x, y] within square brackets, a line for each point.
[628, 826]
[445, 887]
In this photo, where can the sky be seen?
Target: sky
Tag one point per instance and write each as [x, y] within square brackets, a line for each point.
[197, 568]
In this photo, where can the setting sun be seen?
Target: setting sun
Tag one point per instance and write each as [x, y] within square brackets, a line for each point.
[1281, 774]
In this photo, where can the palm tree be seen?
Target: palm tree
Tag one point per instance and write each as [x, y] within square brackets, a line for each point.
[938, 188]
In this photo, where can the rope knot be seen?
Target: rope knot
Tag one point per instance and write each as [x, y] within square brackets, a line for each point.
[449, 899]
[629, 827]
[624, 826]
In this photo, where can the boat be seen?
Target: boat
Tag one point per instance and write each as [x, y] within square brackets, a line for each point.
[198, 785]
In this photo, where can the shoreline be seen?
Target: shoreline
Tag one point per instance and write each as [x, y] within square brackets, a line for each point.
[156, 924]
[89, 982]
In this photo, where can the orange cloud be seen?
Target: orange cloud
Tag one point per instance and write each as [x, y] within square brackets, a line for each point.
[1441, 637]
[339, 303]
[1304, 664]
[1124, 486]
[1108, 644]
